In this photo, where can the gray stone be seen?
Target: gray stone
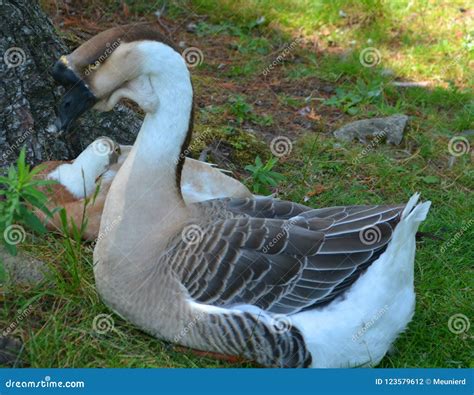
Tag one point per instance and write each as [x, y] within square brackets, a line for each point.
[389, 129]
[10, 349]
[22, 269]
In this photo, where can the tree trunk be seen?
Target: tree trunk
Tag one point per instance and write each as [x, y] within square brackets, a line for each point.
[29, 46]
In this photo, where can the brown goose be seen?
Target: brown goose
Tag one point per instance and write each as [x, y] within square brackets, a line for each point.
[276, 282]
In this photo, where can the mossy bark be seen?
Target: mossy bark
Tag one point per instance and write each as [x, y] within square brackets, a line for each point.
[29, 45]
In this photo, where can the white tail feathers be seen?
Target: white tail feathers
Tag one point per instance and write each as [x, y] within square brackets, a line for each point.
[416, 212]
[411, 203]
[420, 212]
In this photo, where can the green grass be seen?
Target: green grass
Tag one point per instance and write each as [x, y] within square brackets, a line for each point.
[418, 41]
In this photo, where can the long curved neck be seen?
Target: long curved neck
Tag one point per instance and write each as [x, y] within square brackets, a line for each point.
[144, 195]
[165, 135]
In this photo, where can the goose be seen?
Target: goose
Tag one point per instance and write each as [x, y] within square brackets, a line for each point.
[200, 180]
[96, 167]
[272, 281]
[77, 181]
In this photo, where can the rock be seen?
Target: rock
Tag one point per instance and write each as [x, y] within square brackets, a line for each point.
[386, 72]
[10, 349]
[388, 128]
[191, 27]
[22, 269]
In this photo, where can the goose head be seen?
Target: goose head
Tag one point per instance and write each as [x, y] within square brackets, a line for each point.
[102, 153]
[80, 176]
[112, 65]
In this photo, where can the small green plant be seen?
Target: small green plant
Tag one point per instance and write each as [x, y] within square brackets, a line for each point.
[243, 111]
[263, 176]
[349, 101]
[240, 30]
[19, 190]
[240, 109]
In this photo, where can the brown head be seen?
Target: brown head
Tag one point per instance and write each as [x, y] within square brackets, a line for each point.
[90, 77]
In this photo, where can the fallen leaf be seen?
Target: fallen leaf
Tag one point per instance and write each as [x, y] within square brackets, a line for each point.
[317, 190]
[125, 9]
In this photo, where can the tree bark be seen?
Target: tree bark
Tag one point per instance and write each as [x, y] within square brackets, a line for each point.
[29, 46]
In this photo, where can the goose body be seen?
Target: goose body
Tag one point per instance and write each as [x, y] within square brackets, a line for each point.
[276, 282]
[201, 181]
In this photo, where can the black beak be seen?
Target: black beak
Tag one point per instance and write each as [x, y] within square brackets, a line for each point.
[74, 103]
[77, 100]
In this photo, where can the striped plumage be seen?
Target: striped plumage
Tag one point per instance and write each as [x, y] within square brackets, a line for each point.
[276, 282]
[280, 257]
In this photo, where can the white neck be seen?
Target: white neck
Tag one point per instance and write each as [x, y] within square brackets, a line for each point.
[144, 194]
[79, 177]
